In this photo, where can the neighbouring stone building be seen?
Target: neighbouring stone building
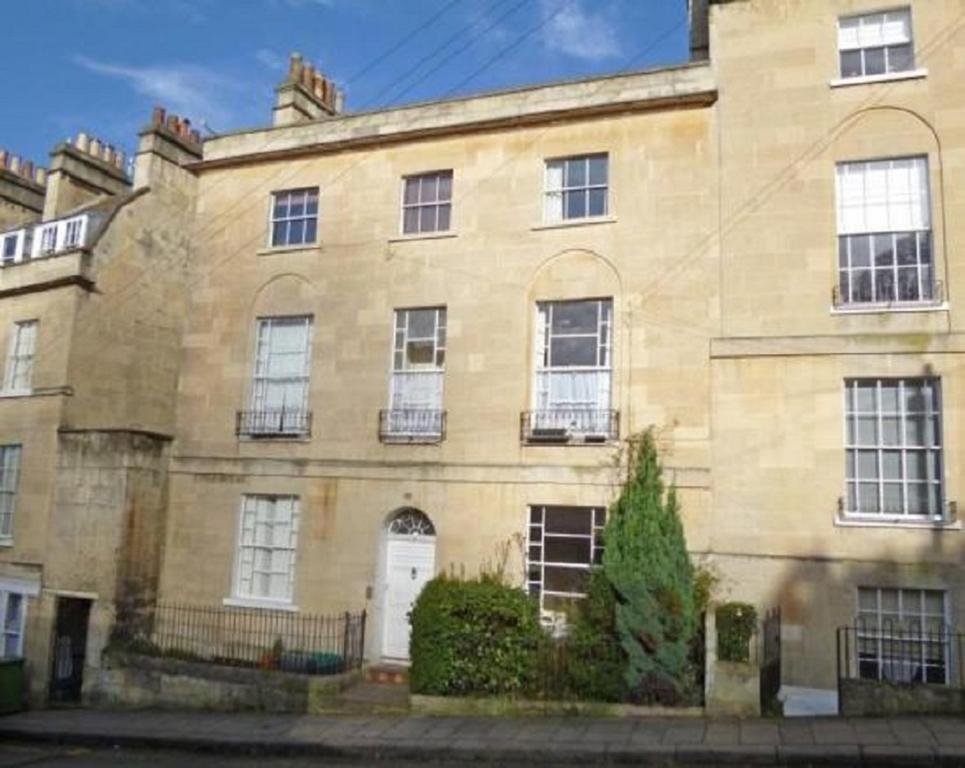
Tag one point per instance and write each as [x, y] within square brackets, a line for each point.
[92, 300]
[412, 340]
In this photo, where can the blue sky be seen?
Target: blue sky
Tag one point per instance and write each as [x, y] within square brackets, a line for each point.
[100, 65]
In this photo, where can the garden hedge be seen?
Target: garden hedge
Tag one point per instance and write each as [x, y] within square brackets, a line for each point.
[474, 638]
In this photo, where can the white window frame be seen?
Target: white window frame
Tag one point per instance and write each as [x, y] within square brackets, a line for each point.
[305, 217]
[437, 204]
[242, 573]
[20, 246]
[855, 448]
[575, 417]
[21, 356]
[24, 590]
[262, 382]
[872, 627]
[62, 235]
[899, 210]
[886, 46]
[11, 459]
[536, 562]
[404, 419]
[555, 196]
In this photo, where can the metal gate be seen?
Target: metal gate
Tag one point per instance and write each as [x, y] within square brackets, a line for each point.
[770, 660]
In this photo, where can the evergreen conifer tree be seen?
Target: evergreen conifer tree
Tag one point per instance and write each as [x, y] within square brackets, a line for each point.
[645, 560]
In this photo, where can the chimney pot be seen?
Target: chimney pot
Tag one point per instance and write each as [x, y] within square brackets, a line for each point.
[27, 169]
[119, 159]
[107, 155]
[185, 128]
[15, 164]
[295, 67]
[40, 176]
[82, 142]
[196, 136]
[3, 158]
[172, 123]
[95, 147]
[157, 116]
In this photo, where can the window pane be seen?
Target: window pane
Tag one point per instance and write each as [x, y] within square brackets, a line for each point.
[900, 58]
[851, 64]
[427, 219]
[281, 205]
[874, 61]
[576, 173]
[598, 170]
[570, 520]
[884, 250]
[411, 193]
[445, 186]
[565, 579]
[573, 351]
[410, 220]
[905, 249]
[597, 202]
[884, 285]
[571, 317]
[310, 230]
[429, 189]
[296, 232]
[861, 285]
[296, 205]
[860, 251]
[574, 204]
[420, 353]
[567, 550]
[278, 230]
[444, 211]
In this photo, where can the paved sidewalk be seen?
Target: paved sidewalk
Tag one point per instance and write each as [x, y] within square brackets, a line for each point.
[554, 740]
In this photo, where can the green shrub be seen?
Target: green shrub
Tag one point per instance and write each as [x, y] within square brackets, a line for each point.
[645, 559]
[736, 624]
[595, 661]
[474, 638]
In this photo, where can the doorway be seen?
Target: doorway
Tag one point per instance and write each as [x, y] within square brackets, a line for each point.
[410, 560]
[70, 650]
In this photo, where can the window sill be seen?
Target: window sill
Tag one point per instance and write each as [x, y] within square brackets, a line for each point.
[887, 309]
[423, 236]
[586, 222]
[890, 77]
[6, 541]
[274, 437]
[306, 247]
[878, 521]
[14, 393]
[251, 602]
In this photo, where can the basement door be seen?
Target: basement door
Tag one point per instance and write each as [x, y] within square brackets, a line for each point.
[409, 565]
[70, 650]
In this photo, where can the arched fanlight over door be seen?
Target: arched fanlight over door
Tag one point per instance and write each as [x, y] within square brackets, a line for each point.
[411, 522]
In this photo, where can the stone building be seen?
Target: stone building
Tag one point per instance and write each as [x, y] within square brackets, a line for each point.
[92, 297]
[415, 338]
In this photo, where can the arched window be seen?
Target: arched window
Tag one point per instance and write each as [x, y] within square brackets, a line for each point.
[411, 522]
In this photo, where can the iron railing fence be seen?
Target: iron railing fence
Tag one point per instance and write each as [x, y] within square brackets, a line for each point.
[274, 422]
[252, 637]
[900, 653]
[412, 425]
[569, 425]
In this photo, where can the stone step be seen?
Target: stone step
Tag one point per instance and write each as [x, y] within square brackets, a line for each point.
[388, 674]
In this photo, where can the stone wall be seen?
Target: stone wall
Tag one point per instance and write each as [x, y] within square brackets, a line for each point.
[864, 698]
[132, 680]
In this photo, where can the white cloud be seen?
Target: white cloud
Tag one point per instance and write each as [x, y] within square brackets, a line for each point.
[575, 32]
[190, 91]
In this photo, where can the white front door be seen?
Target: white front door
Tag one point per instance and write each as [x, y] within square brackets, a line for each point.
[410, 563]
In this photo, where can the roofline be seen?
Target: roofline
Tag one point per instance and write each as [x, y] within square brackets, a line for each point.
[694, 98]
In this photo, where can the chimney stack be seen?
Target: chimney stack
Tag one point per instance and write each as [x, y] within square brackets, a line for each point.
[699, 13]
[22, 186]
[305, 95]
[80, 170]
[165, 146]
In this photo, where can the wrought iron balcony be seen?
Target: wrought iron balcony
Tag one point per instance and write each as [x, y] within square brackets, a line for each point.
[412, 425]
[556, 426]
[937, 298]
[274, 422]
